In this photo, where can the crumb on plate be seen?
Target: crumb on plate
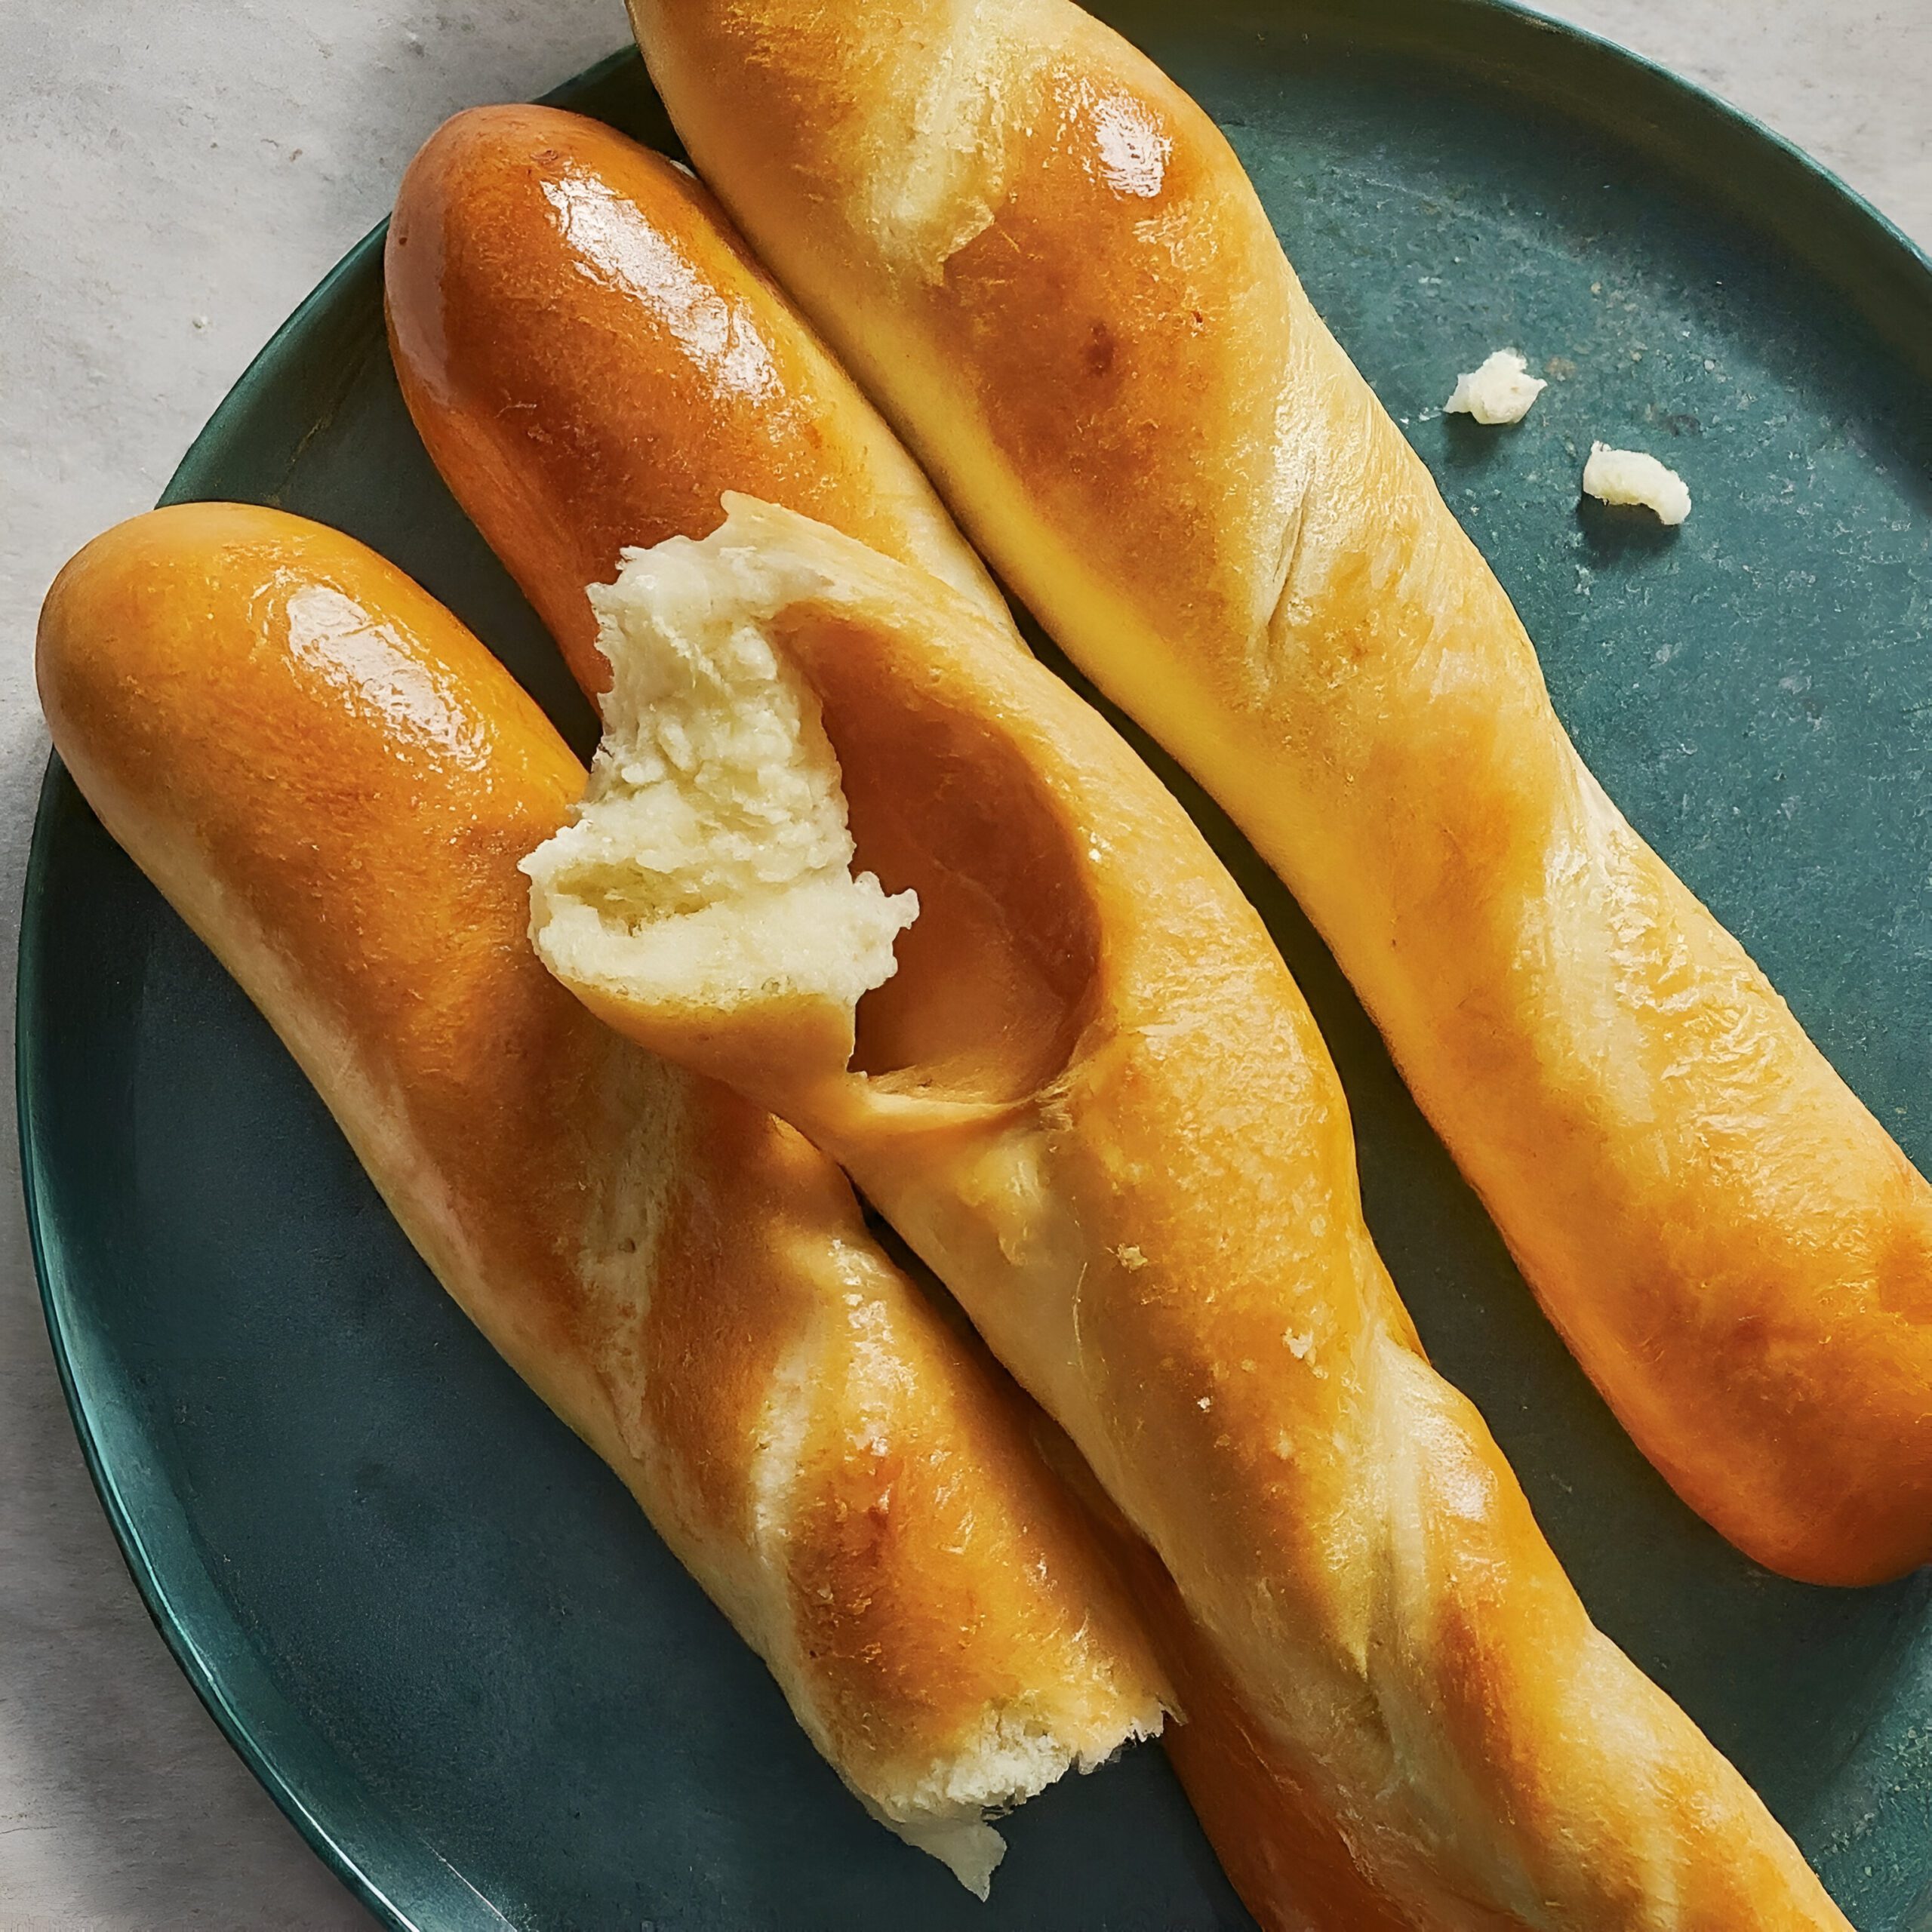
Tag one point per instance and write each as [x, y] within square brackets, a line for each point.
[1501, 391]
[1629, 476]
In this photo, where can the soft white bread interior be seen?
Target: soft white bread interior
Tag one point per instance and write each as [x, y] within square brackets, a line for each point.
[709, 860]
[1094, 1101]
[334, 781]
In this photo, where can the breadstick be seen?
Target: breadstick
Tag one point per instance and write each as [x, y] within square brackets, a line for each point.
[560, 391]
[1047, 265]
[332, 781]
[1090, 1096]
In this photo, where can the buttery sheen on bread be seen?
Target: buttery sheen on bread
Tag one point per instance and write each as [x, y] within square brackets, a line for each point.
[1046, 264]
[577, 405]
[1093, 1099]
[591, 356]
[332, 781]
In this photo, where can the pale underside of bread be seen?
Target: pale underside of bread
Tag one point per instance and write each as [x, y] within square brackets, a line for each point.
[1147, 1205]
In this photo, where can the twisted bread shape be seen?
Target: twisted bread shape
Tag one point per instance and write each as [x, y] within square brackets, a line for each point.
[1094, 1100]
[592, 358]
[1045, 263]
[332, 781]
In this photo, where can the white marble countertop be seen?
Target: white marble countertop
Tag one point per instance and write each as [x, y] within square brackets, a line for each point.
[180, 174]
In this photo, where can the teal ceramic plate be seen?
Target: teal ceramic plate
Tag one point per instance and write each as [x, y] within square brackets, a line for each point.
[436, 1629]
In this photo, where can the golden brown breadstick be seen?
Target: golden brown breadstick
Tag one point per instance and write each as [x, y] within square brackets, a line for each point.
[1093, 1099]
[1046, 263]
[561, 392]
[333, 781]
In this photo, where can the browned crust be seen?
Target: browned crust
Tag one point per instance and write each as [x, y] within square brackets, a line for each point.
[550, 435]
[333, 781]
[592, 355]
[1092, 340]
[1162, 1239]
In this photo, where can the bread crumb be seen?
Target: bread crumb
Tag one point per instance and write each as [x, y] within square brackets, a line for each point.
[1129, 1257]
[1298, 1345]
[1206, 1402]
[1629, 476]
[1501, 391]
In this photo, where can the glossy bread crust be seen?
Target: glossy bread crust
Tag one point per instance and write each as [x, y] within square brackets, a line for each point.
[621, 424]
[1046, 264]
[1135, 1170]
[333, 782]
[586, 344]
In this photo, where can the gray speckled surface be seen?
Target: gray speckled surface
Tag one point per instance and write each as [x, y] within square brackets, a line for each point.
[180, 176]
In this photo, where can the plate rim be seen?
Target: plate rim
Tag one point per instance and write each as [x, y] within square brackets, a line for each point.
[57, 795]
